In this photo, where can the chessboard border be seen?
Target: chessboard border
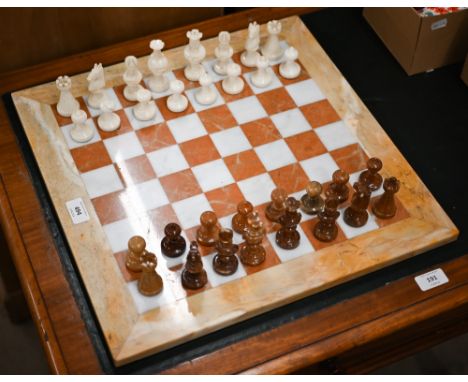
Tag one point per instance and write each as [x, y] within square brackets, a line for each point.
[132, 336]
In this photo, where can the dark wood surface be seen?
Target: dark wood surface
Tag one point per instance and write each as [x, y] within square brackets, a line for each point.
[328, 340]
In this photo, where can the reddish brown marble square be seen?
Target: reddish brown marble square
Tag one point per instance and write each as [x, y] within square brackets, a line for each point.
[291, 178]
[224, 200]
[179, 74]
[155, 137]
[320, 113]
[306, 145]
[351, 158]
[91, 156]
[401, 213]
[271, 259]
[180, 185]
[119, 93]
[125, 126]
[162, 216]
[246, 92]
[167, 114]
[110, 207]
[308, 228]
[135, 170]
[276, 101]
[261, 131]
[217, 119]
[199, 150]
[128, 275]
[62, 121]
[244, 165]
[303, 75]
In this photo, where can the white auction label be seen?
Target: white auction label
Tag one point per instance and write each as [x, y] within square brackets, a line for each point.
[431, 279]
[77, 210]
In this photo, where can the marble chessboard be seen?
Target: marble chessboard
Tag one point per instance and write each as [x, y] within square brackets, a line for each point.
[172, 168]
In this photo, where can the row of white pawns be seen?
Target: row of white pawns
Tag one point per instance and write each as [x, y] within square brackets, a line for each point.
[194, 53]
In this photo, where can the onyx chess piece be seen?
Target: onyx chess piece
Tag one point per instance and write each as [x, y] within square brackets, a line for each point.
[252, 252]
[135, 254]
[287, 236]
[312, 202]
[173, 244]
[277, 206]
[207, 233]
[356, 214]
[338, 188]
[371, 177]
[239, 220]
[194, 275]
[149, 283]
[326, 229]
[225, 261]
[385, 207]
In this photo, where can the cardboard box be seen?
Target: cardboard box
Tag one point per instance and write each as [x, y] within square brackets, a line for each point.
[464, 74]
[421, 43]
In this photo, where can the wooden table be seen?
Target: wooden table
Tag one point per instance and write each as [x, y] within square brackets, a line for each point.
[332, 332]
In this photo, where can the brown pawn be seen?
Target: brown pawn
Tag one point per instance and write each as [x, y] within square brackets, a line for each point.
[338, 188]
[239, 220]
[385, 207]
[277, 205]
[136, 251]
[208, 232]
[149, 283]
[311, 202]
[288, 237]
[356, 214]
[225, 261]
[173, 244]
[326, 228]
[193, 275]
[371, 176]
[253, 253]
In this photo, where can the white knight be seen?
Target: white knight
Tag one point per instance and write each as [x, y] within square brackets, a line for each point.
[96, 84]
[249, 56]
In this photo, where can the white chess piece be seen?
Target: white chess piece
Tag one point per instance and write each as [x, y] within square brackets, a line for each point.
[158, 64]
[272, 48]
[194, 53]
[132, 77]
[177, 102]
[223, 53]
[263, 76]
[205, 95]
[96, 84]
[249, 56]
[146, 108]
[290, 68]
[67, 104]
[81, 132]
[108, 120]
[233, 84]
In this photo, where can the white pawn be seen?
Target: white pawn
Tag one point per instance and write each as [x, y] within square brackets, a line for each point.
[272, 48]
[249, 56]
[194, 53]
[177, 102]
[132, 77]
[67, 104]
[157, 64]
[205, 95]
[262, 77]
[145, 109]
[290, 68]
[233, 84]
[223, 53]
[96, 84]
[81, 132]
[108, 120]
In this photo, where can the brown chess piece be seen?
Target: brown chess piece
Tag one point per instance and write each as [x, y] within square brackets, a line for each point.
[277, 205]
[356, 214]
[149, 283]
[339, 186]
[326, 228]
[288, 237]
[371, 176]
[193, 275]
[225, 261]
[312, 202]
[173, 244]
[253, 253]
[136, 251]
[239, 220]
[385, 207]
[208, 232]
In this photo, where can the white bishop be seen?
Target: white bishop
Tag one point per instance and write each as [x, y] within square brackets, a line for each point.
[158, 64]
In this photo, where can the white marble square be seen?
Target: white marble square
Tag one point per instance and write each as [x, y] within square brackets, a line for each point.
[275, 154]
[226, 222]
[247, 109]
[198, 106]
[147, 195]
[188, 210]
[110, 94]
[186, 128]
[304, 248]
[336, 135]
[73, 144]
[319, 168]
[208, 65]
[305, 92]
[144, 304]
[216, 279]
[123, 147]
[230, 141]
[211, 175]
[137, 124]
[290, 122]
[167, 160]
[170, 76]
[275, 83]
[257, 189]
[102, 181]
[119, 232]
[351, 232]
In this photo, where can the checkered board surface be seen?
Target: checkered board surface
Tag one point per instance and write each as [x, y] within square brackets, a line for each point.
[174, 167]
